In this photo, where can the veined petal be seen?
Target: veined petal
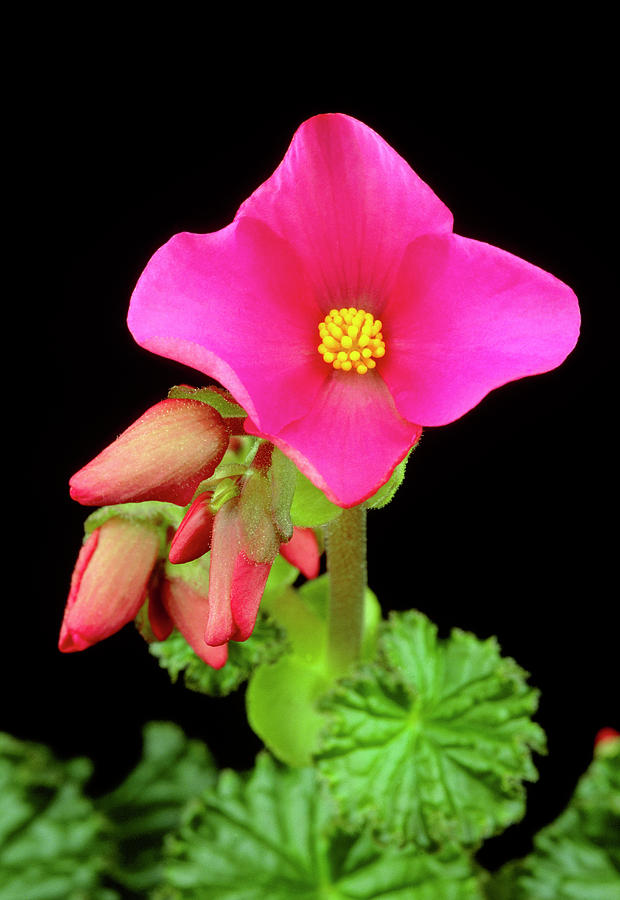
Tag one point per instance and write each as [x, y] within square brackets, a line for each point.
[351, 443]
[237, 306]
[465, 317]
[349, 205]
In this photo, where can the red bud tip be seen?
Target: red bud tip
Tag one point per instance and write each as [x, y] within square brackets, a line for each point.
[302, 551]
[193, 536]
[606, 734]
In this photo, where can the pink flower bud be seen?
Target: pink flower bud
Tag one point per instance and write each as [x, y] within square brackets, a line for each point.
[193, 536]
[109, 582]
[163, 456]
[302, 551]
[236, 582]
[188, 607]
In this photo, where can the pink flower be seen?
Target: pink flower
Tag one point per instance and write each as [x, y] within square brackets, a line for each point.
[164, 455]
[343, 314]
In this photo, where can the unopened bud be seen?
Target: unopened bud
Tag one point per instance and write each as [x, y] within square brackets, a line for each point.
[164, 456]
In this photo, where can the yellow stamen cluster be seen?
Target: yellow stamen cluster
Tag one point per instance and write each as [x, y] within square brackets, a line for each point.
[351, 340]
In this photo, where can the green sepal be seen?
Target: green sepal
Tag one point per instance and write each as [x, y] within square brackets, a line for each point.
[283, 480]
[260, 540]
[432, 741]
[54, 844]
[578, 855]
[282, 698]
[148, 804]
[310, 507]
[386, 492]
[218, 399]
[152, 513]
[271, 835]
[266, 643]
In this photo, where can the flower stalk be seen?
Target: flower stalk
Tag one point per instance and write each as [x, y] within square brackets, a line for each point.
[346, 565]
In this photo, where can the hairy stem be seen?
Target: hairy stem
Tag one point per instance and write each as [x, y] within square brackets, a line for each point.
[346, 565]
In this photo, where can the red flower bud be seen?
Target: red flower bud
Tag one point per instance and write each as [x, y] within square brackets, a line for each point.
[163, 456]
[606, 734]
[109, 582]
[188, 607]
[193, 536]
[236, 582]
[302, 551]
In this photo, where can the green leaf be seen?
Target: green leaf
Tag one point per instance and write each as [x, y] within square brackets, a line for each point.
[282, 696]
[270, 836]
[432, 744]
[176, 655]
[53, 843]
[310, 507]
[148, 804]
[578, 855]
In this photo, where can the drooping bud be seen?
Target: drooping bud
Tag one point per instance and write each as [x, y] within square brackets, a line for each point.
[236, 582]
[109, 582]
[193, 536]
[164, 456]
[302, 551]
[185, 598]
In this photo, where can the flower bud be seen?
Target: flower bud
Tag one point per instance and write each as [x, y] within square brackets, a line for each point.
[109, 582]
[302, 551]
[163, 456]
[236, 582]
[188, 607]
[193, 536]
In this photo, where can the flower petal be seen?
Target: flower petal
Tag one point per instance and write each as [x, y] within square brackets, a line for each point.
[351, 443]
[466, 317]
[237, 306]
[349, 205]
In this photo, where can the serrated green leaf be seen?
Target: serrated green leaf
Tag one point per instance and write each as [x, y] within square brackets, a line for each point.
[53, 843]
[433, 745]
[148, 804]
[270, 836]
[310, 507]
[578, 855]
[177, 657]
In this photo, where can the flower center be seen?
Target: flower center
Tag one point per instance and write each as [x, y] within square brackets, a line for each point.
[351, 340]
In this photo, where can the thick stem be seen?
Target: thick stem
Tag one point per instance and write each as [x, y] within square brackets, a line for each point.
[346, 564]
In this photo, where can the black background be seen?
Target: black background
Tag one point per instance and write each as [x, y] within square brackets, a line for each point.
[500, 527]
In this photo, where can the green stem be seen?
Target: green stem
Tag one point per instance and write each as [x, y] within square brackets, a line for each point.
[346, 565]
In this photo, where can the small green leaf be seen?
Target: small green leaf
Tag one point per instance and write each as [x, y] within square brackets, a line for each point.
[578, 855]
[176, 656]
[53, 843]
[270, 836]
[310, 507]
[148, 804]
[431, 746]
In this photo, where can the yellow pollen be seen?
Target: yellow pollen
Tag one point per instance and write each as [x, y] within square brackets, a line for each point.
[351, 340]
